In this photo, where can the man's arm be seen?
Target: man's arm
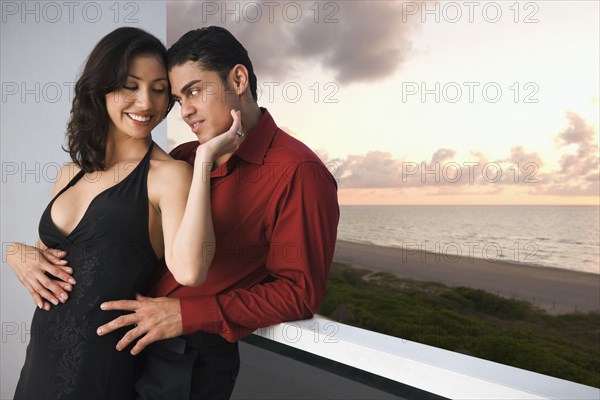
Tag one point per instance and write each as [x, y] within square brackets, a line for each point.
[303, 234]
[303, 238]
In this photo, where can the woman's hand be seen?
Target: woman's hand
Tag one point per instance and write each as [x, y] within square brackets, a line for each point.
[30, 265]
[224, 143]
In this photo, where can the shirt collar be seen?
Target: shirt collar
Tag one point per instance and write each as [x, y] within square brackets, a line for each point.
[254, 148]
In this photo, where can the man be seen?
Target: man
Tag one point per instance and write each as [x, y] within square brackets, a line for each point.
[275, 216]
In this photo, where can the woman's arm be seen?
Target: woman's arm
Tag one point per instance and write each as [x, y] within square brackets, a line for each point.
[187, 224]
[30, 263]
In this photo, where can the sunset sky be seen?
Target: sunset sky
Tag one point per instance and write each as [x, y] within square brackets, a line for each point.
[362, 67]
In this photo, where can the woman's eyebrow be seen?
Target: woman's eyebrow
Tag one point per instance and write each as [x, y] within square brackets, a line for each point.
[157, 79]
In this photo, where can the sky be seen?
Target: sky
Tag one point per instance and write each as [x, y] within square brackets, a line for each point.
[427, 103]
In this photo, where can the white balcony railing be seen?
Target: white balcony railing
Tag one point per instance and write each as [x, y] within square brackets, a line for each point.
[441, 372]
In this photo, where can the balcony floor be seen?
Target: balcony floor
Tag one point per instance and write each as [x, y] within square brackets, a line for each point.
[265, 374]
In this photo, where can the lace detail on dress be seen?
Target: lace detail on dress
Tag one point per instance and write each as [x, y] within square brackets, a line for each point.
[86, 273]
[68, 337]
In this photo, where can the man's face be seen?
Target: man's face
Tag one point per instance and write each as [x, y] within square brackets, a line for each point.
[205, 101]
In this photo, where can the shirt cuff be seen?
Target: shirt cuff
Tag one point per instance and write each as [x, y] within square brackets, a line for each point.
[200, 314]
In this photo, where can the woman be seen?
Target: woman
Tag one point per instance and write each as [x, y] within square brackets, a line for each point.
[122, 205]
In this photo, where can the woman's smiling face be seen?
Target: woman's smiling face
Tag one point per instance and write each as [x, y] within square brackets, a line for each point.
[141, 104]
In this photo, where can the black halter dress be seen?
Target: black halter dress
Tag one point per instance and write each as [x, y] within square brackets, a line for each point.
[111, 256]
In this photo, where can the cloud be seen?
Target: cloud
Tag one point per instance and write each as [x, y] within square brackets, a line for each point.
[376, 169]
[442, 155]
[577, 131]
[367, 44]
[593, 177]
[582, 135]
[445, 174]
[578, 174]
[519, 156]
[357, 41]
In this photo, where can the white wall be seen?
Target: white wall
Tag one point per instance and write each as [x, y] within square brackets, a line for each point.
[43, 47]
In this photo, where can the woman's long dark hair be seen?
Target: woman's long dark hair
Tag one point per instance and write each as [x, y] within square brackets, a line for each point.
[105, 71]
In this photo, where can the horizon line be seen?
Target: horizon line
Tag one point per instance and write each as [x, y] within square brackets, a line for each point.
[482, 205]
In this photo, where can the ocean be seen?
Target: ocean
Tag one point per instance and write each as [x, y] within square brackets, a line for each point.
[552, 236]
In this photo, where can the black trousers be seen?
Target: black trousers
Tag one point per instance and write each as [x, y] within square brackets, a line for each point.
[198, 366]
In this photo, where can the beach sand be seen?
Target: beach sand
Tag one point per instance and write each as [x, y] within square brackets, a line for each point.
[555, 290]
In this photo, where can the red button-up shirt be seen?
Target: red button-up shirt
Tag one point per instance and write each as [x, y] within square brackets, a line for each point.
[275, 215]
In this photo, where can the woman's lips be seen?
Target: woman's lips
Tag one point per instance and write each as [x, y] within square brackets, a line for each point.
[139, 119]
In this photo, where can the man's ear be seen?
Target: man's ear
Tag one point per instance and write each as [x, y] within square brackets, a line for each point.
[239, 79]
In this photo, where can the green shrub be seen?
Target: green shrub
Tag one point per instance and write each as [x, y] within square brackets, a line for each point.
[469, 321]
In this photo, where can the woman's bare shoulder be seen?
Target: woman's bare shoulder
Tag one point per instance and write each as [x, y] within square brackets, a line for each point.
[66, 173]
[164, 167]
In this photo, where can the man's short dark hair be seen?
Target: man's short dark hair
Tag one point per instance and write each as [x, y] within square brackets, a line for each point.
[214, 49]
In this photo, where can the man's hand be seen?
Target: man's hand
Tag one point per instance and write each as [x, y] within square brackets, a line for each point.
[30, 265]
[155, 318]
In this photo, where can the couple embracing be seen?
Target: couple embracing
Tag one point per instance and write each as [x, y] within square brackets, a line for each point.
[150, 266]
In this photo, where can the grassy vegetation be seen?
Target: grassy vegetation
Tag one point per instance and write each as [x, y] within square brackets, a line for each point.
[467, 321]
